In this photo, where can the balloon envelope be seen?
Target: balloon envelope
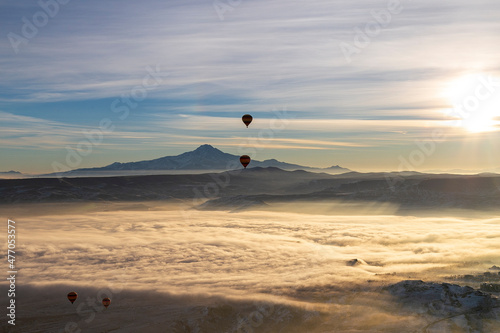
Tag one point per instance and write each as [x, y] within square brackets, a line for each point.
[245, 160]
[247, 119]
[106, 302]
[72, 296]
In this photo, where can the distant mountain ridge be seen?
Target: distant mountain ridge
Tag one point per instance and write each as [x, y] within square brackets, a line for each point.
[205, 157]
[240, 189]
[10, 174]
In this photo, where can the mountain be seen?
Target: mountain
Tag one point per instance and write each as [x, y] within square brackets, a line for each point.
[11, 174]
[205, 157]
[276, 164]
[337, 169]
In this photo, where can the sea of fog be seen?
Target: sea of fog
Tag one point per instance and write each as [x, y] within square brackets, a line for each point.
[168, 269]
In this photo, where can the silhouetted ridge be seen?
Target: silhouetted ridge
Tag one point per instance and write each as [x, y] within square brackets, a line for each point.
[205, 157]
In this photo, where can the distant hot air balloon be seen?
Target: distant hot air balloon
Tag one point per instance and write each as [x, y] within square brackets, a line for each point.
[72, 296]
[245, 160]
[247, 119]
[106, 302]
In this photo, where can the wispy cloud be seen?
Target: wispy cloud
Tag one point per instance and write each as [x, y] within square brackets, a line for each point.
[261, 56]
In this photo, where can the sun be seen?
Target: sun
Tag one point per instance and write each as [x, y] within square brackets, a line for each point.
[475, 100]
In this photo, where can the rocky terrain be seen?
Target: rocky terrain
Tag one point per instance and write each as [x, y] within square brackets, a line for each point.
[452, 307]
[260, 187]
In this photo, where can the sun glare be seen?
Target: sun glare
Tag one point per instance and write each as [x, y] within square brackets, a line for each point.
[475, 101]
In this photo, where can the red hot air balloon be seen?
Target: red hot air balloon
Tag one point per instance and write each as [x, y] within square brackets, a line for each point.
[72, 296]
[106, 302]
[245, 160]
[247, 119]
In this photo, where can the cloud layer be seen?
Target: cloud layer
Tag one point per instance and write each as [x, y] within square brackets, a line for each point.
[242, 256]
[209, 251]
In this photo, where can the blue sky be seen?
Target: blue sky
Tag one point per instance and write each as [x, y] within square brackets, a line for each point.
[328, 82]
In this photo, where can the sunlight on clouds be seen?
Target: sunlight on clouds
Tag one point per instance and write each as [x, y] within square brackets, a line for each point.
[283, 122]
[220, 252]
[163, 265]
[262, 55]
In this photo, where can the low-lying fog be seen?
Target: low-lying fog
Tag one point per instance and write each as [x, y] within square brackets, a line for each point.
[171, 270]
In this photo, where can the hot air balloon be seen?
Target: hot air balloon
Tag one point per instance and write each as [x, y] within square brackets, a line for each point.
[245, 160]
[247, 119]
[72, 296]
[106, 302]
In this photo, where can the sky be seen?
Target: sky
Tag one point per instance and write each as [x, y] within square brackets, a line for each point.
[368, 85]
